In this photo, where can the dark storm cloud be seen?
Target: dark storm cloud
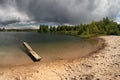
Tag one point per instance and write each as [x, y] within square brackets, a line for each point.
[44, 10]
[9, 22]
[61, 11]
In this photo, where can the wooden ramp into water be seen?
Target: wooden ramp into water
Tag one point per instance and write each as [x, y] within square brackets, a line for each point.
[31, 51]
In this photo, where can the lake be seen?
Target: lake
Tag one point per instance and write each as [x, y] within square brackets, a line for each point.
[48, 46]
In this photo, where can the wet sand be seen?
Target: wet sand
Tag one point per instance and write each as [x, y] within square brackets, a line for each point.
[103, 64]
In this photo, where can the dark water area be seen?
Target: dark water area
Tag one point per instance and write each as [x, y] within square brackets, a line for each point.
[48, 46]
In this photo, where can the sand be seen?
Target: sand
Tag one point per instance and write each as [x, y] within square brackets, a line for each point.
[101, 65]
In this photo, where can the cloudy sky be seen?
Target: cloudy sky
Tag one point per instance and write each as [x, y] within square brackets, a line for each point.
[58, 11]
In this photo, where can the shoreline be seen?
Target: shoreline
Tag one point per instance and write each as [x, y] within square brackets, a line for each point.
[103, 64]
[100, 45]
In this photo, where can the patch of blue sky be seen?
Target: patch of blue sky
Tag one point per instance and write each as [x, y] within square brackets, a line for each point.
[118, 18]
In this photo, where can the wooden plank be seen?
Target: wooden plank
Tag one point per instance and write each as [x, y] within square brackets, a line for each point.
[27, 46]
[35, 55]
[31, 51]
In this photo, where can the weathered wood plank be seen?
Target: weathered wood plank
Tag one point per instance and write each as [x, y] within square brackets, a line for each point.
[31, 51]
[27, 46]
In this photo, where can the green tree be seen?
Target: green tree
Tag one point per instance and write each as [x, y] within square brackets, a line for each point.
[93, 29]
[44, 29]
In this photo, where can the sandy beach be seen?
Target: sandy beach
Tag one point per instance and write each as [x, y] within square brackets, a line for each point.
[101, 65]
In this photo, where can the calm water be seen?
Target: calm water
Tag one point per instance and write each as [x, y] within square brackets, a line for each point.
[48, 46]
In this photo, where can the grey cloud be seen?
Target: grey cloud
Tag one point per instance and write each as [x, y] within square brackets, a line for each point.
[9, 22]
[63, 11]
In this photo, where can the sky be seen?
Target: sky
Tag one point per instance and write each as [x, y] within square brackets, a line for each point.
[32, 12]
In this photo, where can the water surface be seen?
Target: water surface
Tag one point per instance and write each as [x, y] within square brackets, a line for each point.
[48, 46]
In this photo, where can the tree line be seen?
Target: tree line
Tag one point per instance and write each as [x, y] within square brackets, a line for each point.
[102, 27]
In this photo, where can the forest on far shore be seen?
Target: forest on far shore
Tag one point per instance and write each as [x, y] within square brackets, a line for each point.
[102, 27]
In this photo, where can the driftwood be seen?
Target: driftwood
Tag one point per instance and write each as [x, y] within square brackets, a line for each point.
[31, 51]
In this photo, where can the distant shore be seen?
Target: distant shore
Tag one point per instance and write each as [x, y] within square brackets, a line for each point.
[102, 65]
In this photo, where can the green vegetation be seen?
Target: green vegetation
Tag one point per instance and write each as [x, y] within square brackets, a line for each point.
[44, 29]
[102, 27]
